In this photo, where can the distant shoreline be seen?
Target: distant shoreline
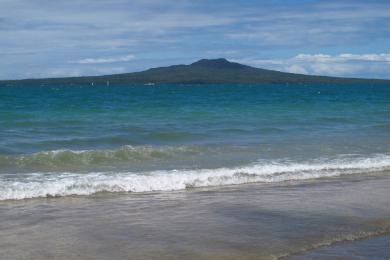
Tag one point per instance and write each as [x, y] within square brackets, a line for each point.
[217, 71]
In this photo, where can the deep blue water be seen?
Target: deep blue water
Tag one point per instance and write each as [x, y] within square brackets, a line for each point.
[112, 134]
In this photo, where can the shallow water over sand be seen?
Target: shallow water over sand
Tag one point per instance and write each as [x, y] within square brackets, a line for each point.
[131, 138]
[136, 172]
[246, 221]
[376, 247]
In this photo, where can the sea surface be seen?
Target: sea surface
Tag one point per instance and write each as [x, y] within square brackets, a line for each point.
[201, 171]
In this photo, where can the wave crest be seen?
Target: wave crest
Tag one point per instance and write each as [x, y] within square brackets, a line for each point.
[64, 184]
[74, 160]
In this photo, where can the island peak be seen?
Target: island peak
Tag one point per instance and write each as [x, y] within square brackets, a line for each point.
[217, 63]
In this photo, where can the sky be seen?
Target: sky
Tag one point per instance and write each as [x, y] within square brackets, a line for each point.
[46, 38]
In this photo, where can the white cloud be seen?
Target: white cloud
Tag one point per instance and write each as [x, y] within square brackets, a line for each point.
[313, 58]
[382, 57]
[319, 24]
[345, 64]
[104, 60]
[295, 68]
[337, 69]
[54, 73]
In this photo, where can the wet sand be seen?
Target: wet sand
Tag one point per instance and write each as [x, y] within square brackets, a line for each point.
[258, 221]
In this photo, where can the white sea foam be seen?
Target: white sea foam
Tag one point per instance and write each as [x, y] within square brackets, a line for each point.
[64, 184]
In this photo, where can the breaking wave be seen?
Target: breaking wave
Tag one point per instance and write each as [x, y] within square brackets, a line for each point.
[33, 185]
[83, 159]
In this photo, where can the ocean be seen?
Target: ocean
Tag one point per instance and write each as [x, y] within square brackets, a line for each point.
[201, 171]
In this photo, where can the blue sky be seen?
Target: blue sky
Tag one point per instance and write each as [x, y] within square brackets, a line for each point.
[46, 38]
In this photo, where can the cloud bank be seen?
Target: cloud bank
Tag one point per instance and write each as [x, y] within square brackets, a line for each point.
[104, 60]
[84, 37]
[345, 64]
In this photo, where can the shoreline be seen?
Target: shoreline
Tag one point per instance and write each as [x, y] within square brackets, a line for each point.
[361, 176]
[361, 247]
[63, 184]
[246, 221]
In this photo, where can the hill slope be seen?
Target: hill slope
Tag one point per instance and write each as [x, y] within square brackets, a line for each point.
[200, 72]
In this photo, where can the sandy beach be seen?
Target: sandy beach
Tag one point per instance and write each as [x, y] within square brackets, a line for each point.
[258, 221]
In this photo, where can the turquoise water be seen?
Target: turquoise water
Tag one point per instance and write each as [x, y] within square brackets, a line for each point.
[66, 140]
